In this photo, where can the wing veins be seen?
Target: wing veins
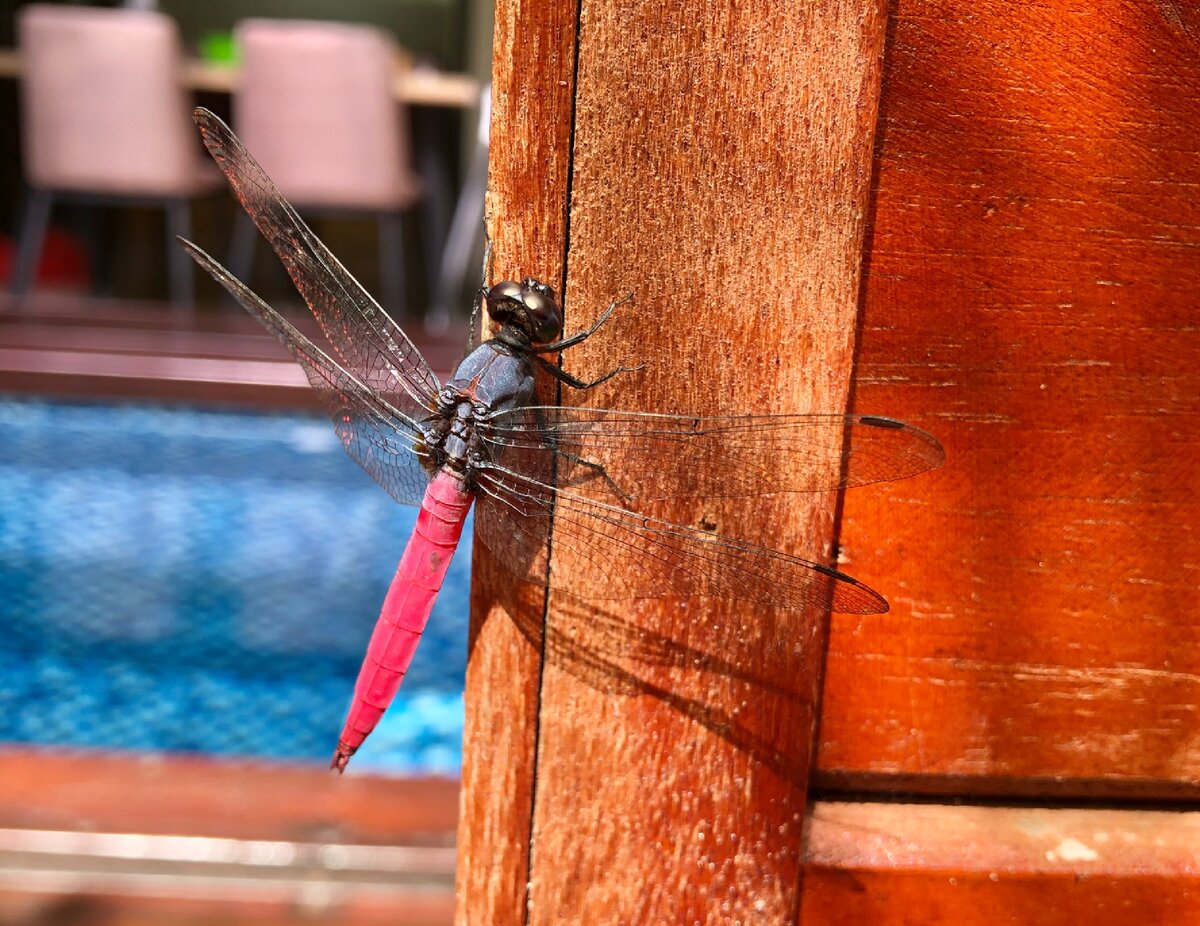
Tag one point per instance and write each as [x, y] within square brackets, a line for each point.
[685, 548]
[286, 231]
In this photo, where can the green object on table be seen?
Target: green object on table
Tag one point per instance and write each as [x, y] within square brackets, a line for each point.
[219, 47]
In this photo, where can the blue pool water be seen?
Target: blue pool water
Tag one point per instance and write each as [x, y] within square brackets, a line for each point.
[206, 581]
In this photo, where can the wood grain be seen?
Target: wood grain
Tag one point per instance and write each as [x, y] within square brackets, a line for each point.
[533, 83]
[1031, 298]
[148, 793]
[720, 167]
[863, 862]
[896, 864]
[276, 811]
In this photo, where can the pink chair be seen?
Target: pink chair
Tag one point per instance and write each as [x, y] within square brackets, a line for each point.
[105, 117]
[316, 107]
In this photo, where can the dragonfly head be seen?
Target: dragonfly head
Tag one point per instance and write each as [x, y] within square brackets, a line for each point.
[529, 305]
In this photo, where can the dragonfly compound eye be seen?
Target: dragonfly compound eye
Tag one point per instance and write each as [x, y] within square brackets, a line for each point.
[541, 309]
[502, 300]
[529, 305]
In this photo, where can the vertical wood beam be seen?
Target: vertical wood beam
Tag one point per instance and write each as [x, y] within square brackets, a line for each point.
[647, 762]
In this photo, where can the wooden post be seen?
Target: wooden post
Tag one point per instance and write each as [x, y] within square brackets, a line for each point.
[647, 762]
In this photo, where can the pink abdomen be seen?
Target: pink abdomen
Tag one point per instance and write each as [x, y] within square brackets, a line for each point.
[406, 608]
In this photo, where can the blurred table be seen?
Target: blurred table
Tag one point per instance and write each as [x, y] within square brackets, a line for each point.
[416, 86]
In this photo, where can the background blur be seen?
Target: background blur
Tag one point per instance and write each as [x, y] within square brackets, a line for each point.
[190, 566]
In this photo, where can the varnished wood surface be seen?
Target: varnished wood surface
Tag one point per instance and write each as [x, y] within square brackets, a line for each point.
[863, 862]
[102, 908]
[732, 206]
[147, 793]
[898, 864]
[1031, 297]
[67, 346]
[264, 842]
[526, 212]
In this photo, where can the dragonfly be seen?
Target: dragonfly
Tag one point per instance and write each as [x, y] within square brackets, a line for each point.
[578, 479]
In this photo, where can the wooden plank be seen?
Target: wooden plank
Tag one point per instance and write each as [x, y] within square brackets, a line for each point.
[532, 98]
[94, 372]
[112, 909]
[148, 793]
[295, 828]
[107, 349]
[1031, 299]
[888, 864]
[720, 169]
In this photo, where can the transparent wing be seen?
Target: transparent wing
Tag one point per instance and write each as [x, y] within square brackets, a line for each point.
[383, 440]
[605, 551]
[640, 455]
[370, 346]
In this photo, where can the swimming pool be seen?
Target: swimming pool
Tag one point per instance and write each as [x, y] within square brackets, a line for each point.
[206, 581]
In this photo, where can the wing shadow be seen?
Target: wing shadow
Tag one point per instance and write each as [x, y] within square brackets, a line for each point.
[729, 683]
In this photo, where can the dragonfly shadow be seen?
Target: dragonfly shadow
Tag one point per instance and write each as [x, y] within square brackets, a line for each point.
[612, 648]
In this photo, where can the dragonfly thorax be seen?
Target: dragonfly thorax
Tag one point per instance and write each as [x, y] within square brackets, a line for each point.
[493, 378]
[530, 307]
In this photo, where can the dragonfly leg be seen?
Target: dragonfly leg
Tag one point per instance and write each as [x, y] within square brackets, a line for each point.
[487, 256]
[574, 382]
[581, 336]
[481, 293]
[597, 469]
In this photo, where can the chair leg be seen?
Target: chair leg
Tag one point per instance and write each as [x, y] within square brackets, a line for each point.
[179, 264]
[33, 234]
[466, 228]
[92, 222]
[391, 262]
[241, 247]
[435, 204]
